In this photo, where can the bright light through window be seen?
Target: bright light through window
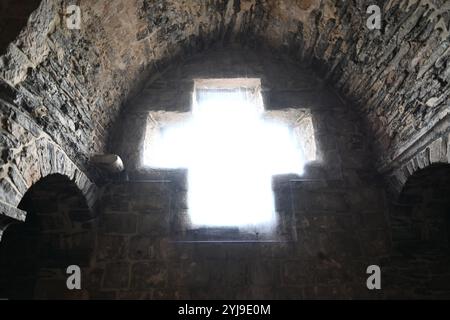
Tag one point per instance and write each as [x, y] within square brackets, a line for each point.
[231, 154]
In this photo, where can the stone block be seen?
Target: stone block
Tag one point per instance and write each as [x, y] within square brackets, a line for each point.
[61, 161]
[94, 279]
[211, 251]
[325, 221]
[119, 223]
[370, 219]
[143, 247]
[8, 193]
[111, 247]
[116, 203]
[180, 200]
[80, 215]
[149, 202]
[180, 223]
[448, 148]
[11, 212]
[146, 275]
[264, 272]
[197, 274]
[400, 176]
[321, 201]
[153, 224]
[237, 274]
[340, 244]
[17, 179]
[361, 199]
[375, 242]
[117, 275]
[44, 157]
[437, 151]
[296, 272]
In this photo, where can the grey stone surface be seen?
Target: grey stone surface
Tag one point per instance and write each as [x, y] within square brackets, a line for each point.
[68, 94]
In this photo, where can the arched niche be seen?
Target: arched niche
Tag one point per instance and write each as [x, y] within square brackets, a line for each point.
[420, 222]
[40, 158]
[58, 232]
[424, 208]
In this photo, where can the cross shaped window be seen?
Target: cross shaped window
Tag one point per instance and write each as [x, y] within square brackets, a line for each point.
[231, 151]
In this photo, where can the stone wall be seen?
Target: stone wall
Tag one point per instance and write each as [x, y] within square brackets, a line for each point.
[418, 266]
[285, 85]
[398, 76]
[27, 155]
[136, 258]
[61, 90]
[72, 82]
[339, 217]
[58, 232]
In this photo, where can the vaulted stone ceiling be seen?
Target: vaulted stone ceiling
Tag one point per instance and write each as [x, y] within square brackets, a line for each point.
[72, 83]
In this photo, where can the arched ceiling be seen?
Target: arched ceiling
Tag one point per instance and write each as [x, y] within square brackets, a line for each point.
[73, 82]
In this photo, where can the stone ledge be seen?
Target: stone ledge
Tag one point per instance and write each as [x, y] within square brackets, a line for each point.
[8, 211]
[448, 147]
[8, 215]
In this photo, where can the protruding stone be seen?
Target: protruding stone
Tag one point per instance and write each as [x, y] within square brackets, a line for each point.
[437, 151]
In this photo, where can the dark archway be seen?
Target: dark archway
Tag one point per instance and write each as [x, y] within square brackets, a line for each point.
[13, 18]
[57, 233]
[420, 224]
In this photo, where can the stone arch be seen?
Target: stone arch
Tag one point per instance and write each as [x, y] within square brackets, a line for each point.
[35, 160]
[156, 33]
[424, 195]
[420, 224]
[434, 152]
[28, 163]
[58, 232]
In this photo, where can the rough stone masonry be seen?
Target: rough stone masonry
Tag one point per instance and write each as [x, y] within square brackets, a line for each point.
[380, 105]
